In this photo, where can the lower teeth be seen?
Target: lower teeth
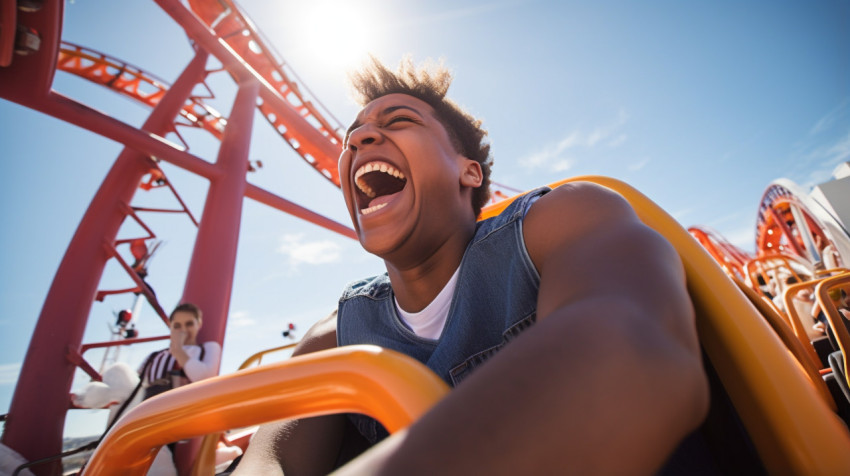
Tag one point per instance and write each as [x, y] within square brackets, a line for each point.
[366, 211]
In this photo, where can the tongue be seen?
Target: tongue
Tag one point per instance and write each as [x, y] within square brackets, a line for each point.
[382, 199]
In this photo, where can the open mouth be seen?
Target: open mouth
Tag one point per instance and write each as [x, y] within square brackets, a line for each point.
[376, 183]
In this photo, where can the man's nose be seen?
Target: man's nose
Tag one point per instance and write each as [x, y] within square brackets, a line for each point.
[363, 135]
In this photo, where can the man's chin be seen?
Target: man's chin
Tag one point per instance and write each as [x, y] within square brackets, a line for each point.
[378, 244]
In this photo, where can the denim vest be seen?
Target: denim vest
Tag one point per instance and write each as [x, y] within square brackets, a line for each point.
[494, 301]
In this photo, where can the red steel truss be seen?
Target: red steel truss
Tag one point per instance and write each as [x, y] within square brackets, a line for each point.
[731, 258]
[34, 425]
[31, 51]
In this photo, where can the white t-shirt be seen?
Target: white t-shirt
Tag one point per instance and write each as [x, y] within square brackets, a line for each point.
[195, 368]
[429, 322]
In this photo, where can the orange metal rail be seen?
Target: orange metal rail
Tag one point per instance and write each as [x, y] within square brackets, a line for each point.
[237, 31]
[794, 317]
[767, 268]
[258, 357]
[391, 387]
[777, 322]
[135, 83]
[836, 321]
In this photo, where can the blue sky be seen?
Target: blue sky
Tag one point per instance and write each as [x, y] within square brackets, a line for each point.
[700, 105]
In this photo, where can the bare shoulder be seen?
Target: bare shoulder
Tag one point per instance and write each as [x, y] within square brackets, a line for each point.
[320, 336]
[582, 201]
[574, 213]
[590, 237]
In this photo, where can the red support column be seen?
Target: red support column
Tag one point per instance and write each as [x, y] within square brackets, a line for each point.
[37, 414]
[210, 278]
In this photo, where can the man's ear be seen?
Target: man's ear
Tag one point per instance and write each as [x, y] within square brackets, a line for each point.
[471, 174]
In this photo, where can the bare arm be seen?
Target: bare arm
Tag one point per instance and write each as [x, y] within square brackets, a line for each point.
[293, 447]
[607, 382]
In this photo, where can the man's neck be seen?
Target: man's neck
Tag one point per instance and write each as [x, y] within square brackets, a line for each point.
[416, 284]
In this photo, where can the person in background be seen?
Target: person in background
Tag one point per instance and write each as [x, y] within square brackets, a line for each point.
[184, 361]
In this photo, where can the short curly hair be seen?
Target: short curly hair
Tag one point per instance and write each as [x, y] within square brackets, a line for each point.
[429, 83]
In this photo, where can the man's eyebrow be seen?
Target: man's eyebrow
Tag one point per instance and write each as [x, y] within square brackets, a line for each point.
[386, 111]
[396, 108]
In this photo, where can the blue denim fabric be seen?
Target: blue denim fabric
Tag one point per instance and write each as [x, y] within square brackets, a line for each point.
[495, 300]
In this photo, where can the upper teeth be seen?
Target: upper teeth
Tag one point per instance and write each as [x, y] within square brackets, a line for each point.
[374, 167]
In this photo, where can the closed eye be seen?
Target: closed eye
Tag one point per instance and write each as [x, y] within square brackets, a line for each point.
[396, 119]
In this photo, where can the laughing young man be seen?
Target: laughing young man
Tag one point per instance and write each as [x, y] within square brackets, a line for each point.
[563, 324]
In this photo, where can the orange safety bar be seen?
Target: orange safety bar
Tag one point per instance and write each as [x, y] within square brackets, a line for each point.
[794, 317]
[773, 317]
[775, 262]
[831, 271]
[258, 357]
[839, 328]
[205, 463]
[391, 387]
[792, 428]
[791, 310]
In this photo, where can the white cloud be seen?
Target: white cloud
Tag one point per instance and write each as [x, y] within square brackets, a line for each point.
[562, 165]
[551, 152]
[240, 319]
[596, 136]
[638, 165]
[829, 119]
[820, 161]
[551, 156]
[617, 141]
[840, 151]
[300, 251]
[9, 373]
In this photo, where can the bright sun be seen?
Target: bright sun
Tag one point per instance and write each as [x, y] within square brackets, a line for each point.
[338, 32]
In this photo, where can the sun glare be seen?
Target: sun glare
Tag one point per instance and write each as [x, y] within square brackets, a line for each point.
[339, 33]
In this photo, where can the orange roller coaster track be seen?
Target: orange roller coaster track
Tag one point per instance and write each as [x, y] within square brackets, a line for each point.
[237, 31]
[144, 87]
[135, 83]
